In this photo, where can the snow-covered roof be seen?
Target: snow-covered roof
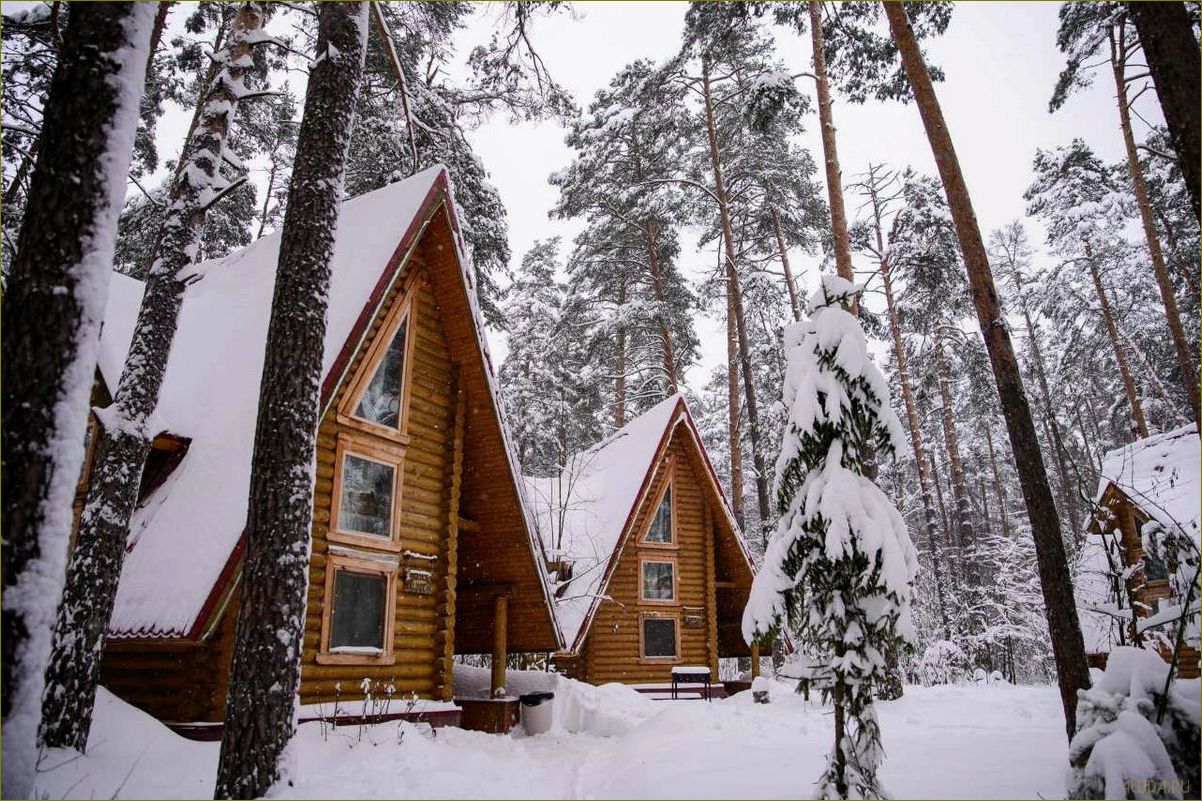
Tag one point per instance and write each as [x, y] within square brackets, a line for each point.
[1162, 475]
[582, 515]
[184, 540]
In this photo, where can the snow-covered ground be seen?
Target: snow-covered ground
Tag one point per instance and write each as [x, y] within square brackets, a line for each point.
[610, 742]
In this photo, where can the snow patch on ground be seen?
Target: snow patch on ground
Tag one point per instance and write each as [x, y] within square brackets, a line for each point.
[611, 742]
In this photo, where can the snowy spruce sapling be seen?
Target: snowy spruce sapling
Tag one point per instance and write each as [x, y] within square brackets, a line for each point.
[839, 570]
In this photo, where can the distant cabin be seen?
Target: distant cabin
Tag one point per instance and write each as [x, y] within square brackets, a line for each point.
[651, 569]
[1156, 480]
[421, 546]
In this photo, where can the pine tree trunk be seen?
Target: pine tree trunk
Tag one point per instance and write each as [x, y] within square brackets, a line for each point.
[830, 152]
[736, 305]
[734, 407]
[963, 511]
[1171, 51]
[265, 668]
[27, 162]
[53, 307]
[999, 489]
[1068, 647]
[1185, 361]
[953, 561]
[95, 565]
[657, 287]
[1067, 497]
[784, 263]
[620, 366]
[1139, 424]
[915, 428]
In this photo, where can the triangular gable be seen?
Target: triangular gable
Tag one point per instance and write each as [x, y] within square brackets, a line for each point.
[188, 541]
[611, 481]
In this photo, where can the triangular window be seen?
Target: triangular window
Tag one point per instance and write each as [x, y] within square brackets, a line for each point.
[380, 402]
[660, 530]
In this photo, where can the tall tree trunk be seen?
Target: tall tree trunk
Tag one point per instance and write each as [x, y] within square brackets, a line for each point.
[736, 301]
[1137, 410]
[27, 162]
[953, 563]
[830, 152]
[963, 510]
[734, 408]
[999, 489]
[915, 428]
[1068, 648]
[784, 263]
[1185, 361]
[1171, 50]
[53, 307]
[95, 565]
[265, 669]
[620, 366]
[386, 40]
[1067, 496]
[657, 287]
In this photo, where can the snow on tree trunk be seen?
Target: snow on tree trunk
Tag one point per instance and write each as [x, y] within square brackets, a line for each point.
[260, 711]
[95, 565]
[54, 304]
[1067, 645]
[1171, 50]
[1185, 360]
[839, 570]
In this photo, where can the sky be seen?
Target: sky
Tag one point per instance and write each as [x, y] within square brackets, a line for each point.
[1000, 61]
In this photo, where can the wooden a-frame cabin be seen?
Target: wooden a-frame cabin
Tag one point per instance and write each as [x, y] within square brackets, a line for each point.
[421, 544]
[653, 573]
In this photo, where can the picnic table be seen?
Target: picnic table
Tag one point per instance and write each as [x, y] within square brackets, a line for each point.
[691, 674]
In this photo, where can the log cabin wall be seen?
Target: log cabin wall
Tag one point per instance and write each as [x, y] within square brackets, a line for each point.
[422, 621]
[612, 650]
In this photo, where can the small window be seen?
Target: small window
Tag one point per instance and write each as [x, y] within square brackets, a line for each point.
[380, 402]
[659, 638]
[661, 525]
[658, 581]
[357, 618]
[366, 499]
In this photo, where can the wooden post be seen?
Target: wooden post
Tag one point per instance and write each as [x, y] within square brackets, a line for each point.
[499, 648]
[755, 661]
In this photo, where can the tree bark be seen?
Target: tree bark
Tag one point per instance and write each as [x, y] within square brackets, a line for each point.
[736, 301]
[657, 287]
[1139, 424]
[830, 152]
[734, 408]
[620, 367]
[1068, 647]
[265, 669]
[999, 489]
[784, 263]
[1172, 55]
[1185, 361]
[95, 565]
[53, 307]
[963, 512]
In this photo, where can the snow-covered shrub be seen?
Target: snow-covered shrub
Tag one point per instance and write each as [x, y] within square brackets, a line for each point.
[1133, 740]
[943, 662]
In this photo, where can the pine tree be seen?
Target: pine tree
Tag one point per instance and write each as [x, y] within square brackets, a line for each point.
[260, 717]
[1067, 644]
[51, 329]
[839, 570]
[95, 564]
[1084, 30]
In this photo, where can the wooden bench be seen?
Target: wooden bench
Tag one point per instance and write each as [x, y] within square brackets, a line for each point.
[683, 674]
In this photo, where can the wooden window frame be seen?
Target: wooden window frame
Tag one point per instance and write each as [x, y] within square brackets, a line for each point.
[658, 660]
[663, 560]
[348, 443]
[405, 310]
[674, 542]
[334, 563]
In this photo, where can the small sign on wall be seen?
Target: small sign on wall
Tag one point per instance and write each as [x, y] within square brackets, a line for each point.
[694, 617]
[419, 582]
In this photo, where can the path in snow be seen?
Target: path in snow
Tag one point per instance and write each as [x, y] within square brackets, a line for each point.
[941, 742]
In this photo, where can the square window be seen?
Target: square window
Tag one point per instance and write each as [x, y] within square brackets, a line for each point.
[366, 496]
[659, 637]
[658, 581]
[357, 616]
[380, 402]
[661, 525]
